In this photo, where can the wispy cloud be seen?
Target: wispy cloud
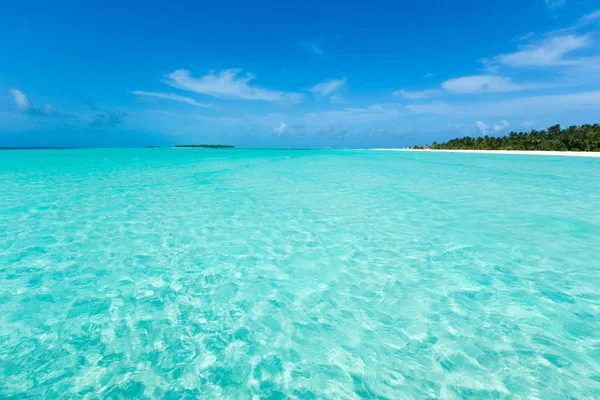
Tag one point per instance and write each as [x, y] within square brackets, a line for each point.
[539, 105]
[555, 3]
[373, 113]
[524, 37]
[429, 75]
[424, 94]
[108, 119]
[313, 47]
[48, 111]
[549, 52]
[171, 96]
[303, 130]
[437, 107]
[336, 131]
[581, 24]
[20, 99]
[516, 107]
[228, 83]
[328, 87]
[337, 99]
[484, 83]
[591, 17]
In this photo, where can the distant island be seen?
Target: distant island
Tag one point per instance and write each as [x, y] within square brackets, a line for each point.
[574, 138]
[203, 146]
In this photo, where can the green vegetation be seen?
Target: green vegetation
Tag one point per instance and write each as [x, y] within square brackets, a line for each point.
[574, 138]
[203, 146]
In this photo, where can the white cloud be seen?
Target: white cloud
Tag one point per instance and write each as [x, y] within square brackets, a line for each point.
[416, 95]
[555, 3]
[314, 48]
[538, 105]
[526, 36]
[337, 99]
[580, 24]
[429, 75]
[526, 107]
[327, 87]
[228, 84]
[281, 129]
[502, 126]
[293, 98]
[20, 99]
[372, 113]
[303, 130]
[108, 119]
[171, 96]
[483, 83]
[438, 107]
[591, 17]
[483, 128]
[48, 111]
[549, 52]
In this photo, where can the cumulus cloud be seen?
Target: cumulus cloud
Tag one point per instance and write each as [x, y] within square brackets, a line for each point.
[281, 129]
[328, 87]
[20, 99]
[502, 126]
[483, 128]
[171, 96]
[484, 83]
[24, 105]
[228, 83]
[425, 94]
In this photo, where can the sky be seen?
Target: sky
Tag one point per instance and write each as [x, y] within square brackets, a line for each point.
[293, 74]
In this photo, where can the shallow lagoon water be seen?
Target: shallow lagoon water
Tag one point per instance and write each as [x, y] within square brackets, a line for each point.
[161, 273]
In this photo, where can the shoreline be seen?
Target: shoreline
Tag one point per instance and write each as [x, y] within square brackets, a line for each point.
[512, 152]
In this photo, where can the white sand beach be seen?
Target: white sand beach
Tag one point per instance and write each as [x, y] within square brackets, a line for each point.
[513, 152]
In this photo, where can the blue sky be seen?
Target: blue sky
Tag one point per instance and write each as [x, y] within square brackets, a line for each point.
[310, 73]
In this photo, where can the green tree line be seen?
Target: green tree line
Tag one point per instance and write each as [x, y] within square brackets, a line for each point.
[574, 138]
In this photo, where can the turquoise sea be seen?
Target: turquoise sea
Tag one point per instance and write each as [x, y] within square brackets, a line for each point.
[302, 274]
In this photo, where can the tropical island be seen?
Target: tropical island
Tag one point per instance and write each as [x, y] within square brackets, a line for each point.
[584, 138]
[203, 146]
